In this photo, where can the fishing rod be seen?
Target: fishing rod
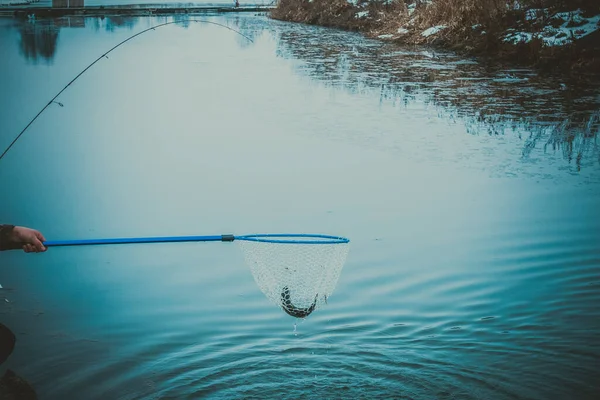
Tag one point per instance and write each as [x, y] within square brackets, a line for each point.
[105, 55]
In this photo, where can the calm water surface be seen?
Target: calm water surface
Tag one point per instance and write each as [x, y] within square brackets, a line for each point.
[470, 194]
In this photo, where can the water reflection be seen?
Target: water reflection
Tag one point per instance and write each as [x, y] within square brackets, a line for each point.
[461, 286]
[182, 20]
[39, 38]
[112, 23]
[248, 27]
[39, 41]
[546, 113]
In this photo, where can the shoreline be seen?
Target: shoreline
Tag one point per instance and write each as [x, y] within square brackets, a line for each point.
[547, 40]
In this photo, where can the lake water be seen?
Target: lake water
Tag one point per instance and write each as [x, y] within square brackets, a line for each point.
[471, 206]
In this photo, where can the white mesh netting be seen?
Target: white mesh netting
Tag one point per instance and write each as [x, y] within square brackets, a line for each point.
[298, 277]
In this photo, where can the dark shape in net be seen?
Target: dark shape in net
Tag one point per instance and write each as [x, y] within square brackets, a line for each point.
[291, 309]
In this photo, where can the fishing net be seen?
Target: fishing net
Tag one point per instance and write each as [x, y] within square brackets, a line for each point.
[296, 273]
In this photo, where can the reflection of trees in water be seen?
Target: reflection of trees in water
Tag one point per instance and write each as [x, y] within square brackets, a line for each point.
[38, 41]
[116, 21]
[111, 23]
[576, 140]
[544, 112]
[183, 20]
[245, 26]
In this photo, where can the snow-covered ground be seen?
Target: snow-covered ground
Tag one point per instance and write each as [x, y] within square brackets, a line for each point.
[554, 30]
[560, 29]
[433, 30]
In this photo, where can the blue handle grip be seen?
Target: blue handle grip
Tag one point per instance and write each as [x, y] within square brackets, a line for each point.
[83, 242]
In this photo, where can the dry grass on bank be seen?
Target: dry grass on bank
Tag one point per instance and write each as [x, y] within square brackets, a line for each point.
[472, 26]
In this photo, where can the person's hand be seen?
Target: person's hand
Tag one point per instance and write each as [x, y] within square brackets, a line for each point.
[29, 238]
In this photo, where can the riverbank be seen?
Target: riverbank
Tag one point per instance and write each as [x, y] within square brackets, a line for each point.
[565, 37]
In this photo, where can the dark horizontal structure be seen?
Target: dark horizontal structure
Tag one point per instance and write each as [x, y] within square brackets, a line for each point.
[70, 8]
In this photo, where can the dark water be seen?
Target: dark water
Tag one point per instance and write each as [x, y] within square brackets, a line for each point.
[470, 195]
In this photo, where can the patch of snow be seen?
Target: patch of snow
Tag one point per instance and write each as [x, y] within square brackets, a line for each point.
[432, 31]
[483, 32]
[518, 37]
[553, 37]
[411, 8]
[402, 31]
[510, 79]
[563, 34]
[385, 36]
[362, 14]
[572, 16]
[534, 13]
[531, 15]
[465, 62]
[476, 26]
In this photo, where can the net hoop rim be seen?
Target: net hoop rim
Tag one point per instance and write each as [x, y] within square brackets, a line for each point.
[294, 238]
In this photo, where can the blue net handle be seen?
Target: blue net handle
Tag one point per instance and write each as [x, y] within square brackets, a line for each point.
[283, 238]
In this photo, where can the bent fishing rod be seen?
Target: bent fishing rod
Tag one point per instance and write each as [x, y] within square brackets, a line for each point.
[105, 55]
